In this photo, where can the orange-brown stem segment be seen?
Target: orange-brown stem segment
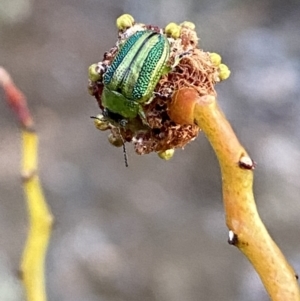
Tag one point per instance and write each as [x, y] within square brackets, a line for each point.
[242, 218]
[16, 100]
[181, 108]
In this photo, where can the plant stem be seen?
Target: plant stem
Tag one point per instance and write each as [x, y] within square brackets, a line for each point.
[40, 218]
[248, 232]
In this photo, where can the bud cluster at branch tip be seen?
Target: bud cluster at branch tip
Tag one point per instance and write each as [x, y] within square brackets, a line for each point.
[161, 120]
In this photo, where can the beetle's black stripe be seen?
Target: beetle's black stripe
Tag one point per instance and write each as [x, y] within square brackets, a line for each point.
[120, 56]
[147, 72]
[137, 67]
[136, 55]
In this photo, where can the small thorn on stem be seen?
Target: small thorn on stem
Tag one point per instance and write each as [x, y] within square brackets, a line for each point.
[246, 162]
[26, 176]
[232, 238]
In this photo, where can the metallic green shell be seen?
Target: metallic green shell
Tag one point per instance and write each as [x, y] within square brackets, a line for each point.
[135, 71]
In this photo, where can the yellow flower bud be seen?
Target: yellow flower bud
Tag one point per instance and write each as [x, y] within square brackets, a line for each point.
[100, 123]
[173, 30]
[224, 72]
[94, 74]
[215, 59]
[188, 24]
[125, 21]
[115, 141]
[167, 154]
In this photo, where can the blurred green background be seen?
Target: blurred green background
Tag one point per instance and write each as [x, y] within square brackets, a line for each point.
[155, 230]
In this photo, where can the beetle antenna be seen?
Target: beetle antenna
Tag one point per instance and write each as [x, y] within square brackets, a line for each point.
[124, 149]
[125, 154]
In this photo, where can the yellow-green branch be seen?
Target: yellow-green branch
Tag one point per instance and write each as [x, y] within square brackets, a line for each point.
[40, 218]
[248, 232]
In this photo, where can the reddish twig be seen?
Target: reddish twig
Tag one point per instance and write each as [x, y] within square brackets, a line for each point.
[16, 100]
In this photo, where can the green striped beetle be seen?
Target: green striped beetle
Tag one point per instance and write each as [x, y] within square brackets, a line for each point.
[130, 79]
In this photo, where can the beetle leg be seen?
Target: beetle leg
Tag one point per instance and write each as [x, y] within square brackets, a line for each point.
[142, 115]
[150, 99]
[161, 95]
[165, 95]
[166, 69]
[179, 57]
